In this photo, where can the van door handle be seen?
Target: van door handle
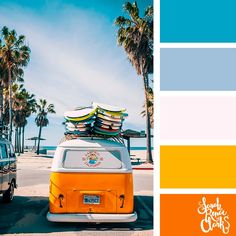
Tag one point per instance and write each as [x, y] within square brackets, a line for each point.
[61, 198]
[122, 198]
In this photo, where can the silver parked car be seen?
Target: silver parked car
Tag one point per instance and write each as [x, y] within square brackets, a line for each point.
[7, 170]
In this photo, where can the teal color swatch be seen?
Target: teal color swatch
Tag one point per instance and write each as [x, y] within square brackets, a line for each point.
[198, 21]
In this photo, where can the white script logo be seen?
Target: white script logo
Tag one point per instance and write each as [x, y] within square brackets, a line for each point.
[214, 216]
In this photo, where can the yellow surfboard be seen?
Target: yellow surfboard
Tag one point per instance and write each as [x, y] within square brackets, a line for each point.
[80, 115]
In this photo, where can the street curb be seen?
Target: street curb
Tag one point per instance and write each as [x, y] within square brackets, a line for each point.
[143, 168]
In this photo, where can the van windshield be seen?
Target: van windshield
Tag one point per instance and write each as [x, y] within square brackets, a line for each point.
[92, 159]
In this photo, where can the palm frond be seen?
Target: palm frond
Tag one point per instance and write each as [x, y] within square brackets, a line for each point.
[132, 10]
[149, 11]
[5, 31]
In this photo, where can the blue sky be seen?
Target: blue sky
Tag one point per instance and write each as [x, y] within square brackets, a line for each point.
[75, 58]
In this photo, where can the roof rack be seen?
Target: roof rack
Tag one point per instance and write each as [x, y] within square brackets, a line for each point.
[116, 138]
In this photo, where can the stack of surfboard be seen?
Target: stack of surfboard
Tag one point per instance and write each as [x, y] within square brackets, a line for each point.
[98, 119]
[80, 122]
[109, 119]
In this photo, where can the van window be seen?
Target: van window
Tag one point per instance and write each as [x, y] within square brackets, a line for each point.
[3, 150]
[92, 159]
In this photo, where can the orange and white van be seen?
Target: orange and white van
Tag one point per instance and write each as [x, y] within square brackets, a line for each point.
[91, 181]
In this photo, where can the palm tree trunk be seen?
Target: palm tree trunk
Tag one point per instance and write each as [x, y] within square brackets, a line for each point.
[23, 139]
[39, 137]
[10, 103]
[148, 123]
[19, 140]
[149, 145]
[1, 110]
[16, 139]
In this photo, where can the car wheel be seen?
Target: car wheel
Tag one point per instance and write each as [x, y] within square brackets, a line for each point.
[9, 194]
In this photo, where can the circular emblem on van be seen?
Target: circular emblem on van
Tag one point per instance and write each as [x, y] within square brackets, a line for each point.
[92, 159]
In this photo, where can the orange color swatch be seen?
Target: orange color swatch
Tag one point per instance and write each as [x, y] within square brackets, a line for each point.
[198, 214]
[198, 166]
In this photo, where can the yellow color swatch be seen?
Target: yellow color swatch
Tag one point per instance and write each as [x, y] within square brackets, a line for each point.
[198, 166]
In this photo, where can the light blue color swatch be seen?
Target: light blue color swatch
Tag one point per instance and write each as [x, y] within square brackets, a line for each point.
[198, 69]
[198, 21]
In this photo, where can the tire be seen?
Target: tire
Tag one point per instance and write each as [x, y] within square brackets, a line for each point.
[9, 194]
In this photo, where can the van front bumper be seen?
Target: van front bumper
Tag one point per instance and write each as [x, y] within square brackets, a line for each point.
[98, 218]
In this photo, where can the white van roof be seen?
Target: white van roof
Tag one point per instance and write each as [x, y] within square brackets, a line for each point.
[89, 142]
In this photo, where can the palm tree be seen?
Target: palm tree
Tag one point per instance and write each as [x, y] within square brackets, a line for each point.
[150, 106]
[4, 94]
[135, 34]
[24, 104]
[28, 110]
[18, 103]
[15, 55]
[41, 120]
[3, 81]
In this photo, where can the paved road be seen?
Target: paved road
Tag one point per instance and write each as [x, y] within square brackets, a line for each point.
[27, 214]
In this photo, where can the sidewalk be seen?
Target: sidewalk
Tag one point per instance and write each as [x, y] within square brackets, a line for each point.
[142, 166]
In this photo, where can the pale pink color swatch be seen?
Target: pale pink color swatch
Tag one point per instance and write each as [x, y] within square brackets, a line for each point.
[197, 117]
